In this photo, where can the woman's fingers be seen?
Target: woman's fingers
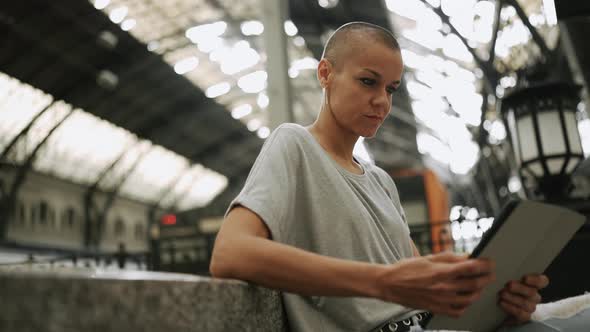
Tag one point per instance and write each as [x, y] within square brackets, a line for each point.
[517, 314]
[538, 281]
[526, 304]
[523, 290]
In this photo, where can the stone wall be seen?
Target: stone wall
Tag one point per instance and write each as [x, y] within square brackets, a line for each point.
[55, 300]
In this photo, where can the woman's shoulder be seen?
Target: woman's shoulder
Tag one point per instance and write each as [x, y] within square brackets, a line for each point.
[289, 133]
[290, 129]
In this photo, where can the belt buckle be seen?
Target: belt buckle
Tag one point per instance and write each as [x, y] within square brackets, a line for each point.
[392, 327]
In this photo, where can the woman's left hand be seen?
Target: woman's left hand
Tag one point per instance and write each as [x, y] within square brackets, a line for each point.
[520, 298]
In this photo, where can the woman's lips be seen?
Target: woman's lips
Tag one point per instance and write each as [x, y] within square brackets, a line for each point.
[374, 117]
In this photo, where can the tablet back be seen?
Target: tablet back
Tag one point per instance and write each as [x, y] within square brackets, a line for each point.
[524, 239]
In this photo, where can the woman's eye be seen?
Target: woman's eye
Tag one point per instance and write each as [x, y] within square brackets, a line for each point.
[368, 81]
[391, 90]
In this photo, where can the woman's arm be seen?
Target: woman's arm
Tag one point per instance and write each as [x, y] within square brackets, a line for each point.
[443, 283]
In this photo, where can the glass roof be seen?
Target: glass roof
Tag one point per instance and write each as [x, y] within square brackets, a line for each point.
[218, 46]
[443, 78]
[84, 146]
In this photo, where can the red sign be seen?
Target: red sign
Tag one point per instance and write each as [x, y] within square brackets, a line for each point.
[168, 219]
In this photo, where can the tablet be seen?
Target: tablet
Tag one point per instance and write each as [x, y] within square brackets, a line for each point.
[523, 239]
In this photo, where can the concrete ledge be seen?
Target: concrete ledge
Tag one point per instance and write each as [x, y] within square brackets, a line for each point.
[55, 300]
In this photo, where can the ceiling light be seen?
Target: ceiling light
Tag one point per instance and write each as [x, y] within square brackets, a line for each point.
[290, 28]
[218, 90]
[101, 4]
[262, 100]
[252, 28]
[241, 111]
[263, 132]
[128, 24]
[253, 82]
[186, 65]
[117, 15]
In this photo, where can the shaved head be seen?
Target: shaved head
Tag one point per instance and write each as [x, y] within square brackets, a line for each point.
[355, 37]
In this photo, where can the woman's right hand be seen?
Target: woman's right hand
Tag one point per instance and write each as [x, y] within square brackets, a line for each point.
[443, 283]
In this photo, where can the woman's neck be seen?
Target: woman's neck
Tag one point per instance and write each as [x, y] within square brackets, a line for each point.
[337, 141]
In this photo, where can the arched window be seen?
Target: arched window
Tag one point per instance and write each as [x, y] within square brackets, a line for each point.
[119, 227]
[139, 231]
[69, 218]
[51, 217]
[43, 212]
[34, 214]
[22, 213]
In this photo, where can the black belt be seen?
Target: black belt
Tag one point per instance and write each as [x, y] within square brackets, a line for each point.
[404, 325]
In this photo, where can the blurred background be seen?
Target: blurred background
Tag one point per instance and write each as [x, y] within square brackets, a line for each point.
[127, 126]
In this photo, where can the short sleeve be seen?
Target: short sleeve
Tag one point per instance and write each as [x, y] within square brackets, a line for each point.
[391, 188]
[269, 187]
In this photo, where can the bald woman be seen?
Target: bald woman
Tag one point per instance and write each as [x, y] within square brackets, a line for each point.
[328, 230]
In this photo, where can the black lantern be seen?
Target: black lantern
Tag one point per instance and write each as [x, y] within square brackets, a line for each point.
[541, 120]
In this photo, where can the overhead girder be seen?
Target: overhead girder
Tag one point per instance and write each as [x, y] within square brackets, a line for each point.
[112, 194]
[90, 212]
[7, 203]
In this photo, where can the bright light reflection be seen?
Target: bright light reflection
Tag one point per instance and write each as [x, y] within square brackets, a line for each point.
[101, 4]
[262, 100]
[254, 124]
[252, 28]
[454, 48]
[290, 28]
[431, 39]
[549, 10]
[498, 131]
[254, 82]
[584, 129]
[186, 65]
[263, 132]
[118, 14]
[203, 32]
[128, 24]
[235, 59]
[217, 90]
[428, 144]
[514, 184]
[299, 41]
[455, 212]
[328, 3]
[207, 45]
[411, 9]
[454, 8]
[241, 111]
[153, 45]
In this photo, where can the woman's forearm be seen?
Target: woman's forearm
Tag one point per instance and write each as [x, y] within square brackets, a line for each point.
[279, 266]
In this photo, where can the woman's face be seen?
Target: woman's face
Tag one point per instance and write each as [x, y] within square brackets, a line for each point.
[359, 88]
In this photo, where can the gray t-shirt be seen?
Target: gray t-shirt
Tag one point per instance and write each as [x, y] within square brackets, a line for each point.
[309, 201]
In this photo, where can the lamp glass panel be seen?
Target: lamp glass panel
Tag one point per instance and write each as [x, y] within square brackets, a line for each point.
[555, 165]
[551, 132]
[573, 135]
[512, 130]
[536, 168]
[572, 164]
[526, 138]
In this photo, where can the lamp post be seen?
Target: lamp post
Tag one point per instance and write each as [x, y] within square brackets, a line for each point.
[542, 126]
[541, 121]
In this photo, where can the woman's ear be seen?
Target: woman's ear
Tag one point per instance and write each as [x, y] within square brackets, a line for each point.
[324, 72]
